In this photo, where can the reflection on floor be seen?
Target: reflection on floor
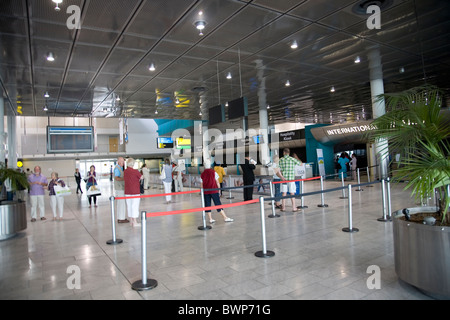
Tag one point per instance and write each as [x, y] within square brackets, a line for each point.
[314, 258]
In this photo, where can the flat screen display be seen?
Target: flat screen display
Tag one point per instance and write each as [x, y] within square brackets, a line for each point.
[164, 142]
[183, 143]
[216, 114]
[70, 139]
[237, 108]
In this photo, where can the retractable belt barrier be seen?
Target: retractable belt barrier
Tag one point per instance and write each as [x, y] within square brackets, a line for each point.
[146, 284]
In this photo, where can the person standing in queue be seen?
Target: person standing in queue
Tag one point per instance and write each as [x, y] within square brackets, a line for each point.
[221, 172]
[77, 176]
[91, 181]
[56, 203]
[287, 166]
[146, 174]
[37, 183]
[249, 177]
[343, 160]
[132, 179]
[210, 180]
[353, 166]
[119, 189]
[167, 182]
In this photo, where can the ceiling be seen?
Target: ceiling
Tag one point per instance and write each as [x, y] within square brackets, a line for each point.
[109, 56]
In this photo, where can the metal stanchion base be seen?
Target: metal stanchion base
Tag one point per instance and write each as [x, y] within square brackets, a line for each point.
[274, 216]
[359, 190]
[322, 205]
[350, 230]
[343, 197]
[139, 286]
[204, 228]
[230, 197]
[302, 207]
[114, 242]
[268, 254]
[387, 219]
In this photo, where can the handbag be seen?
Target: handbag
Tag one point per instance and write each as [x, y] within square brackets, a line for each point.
[141, 186]
[94, 190]
[62, 191]
[162, 176]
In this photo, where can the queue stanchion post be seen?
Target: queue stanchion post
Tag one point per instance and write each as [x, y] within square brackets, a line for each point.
[204, 226]
[273, 215]
[264, 253]
[359, 181]
[350, 218]
[388, 194]
[302, 199]
[343, 185]
[144, 284]
[383, 202]
[322, 201]
[368, 177]
[114, 240]
[229, 190]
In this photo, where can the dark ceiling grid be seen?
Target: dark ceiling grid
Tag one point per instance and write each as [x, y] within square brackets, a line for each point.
[417, 40]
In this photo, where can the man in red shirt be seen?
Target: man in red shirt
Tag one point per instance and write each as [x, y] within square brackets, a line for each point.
[210, 180]
[132, 179]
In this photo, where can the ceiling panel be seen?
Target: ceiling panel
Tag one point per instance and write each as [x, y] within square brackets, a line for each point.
[110, 56]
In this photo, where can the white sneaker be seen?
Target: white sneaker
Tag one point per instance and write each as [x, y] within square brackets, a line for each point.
[229, 220]
[212, 221]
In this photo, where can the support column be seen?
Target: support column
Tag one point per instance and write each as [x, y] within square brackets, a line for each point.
[3, 134]
[12, 154]
[263, 118]
[381, 151]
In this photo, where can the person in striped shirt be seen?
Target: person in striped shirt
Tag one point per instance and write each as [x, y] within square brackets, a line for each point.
[287, 166]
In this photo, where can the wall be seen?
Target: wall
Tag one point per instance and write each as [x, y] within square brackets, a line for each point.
[311, 151]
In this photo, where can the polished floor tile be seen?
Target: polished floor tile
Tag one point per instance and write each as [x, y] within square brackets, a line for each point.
[314, 258]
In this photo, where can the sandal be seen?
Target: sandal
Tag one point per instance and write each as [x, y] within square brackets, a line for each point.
[283, 210]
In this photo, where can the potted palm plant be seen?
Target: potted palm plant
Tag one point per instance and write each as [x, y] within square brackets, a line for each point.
[418, 128]
[12, 213]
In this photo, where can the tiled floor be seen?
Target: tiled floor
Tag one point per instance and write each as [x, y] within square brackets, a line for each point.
[314, 258]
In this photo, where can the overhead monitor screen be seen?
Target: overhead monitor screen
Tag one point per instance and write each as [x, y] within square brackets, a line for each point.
[164, 142]
[70, 139]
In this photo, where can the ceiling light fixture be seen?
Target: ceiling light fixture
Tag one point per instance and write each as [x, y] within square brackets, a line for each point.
[46, 95]
[50, 57]
[57, 2]
[401, 70]
[45, 108]
[288, 83]
[229, 75]
[200, 25]
[294, 45]
[152, 67]
[156, 111]
[332, 89]
[357, 59]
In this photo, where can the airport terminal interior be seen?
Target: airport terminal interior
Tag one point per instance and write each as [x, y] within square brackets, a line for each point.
[199, 82]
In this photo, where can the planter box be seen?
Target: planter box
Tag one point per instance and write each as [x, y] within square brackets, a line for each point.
[13, 218]
[422, 254]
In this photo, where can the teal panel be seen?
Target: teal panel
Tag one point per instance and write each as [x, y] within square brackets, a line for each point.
[311, 151]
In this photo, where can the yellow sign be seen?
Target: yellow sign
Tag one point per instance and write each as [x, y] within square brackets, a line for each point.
[19, 164]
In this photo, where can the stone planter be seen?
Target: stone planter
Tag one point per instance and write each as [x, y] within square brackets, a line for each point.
[13, 218]
[422, 254]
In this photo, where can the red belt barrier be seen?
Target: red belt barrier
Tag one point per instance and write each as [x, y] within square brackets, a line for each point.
[165, 213]
[286, 181]
[157, 195]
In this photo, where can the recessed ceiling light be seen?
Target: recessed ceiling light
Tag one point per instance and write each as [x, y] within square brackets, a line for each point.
[45, 108]
[332, 89]
[57, 2]
[357, 59]
[288, 83]
[152, 67]
[229, 75]
[46, 95]
[50, 57]
[294, 45]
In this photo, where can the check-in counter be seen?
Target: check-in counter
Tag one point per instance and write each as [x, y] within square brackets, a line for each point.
[13, 218]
